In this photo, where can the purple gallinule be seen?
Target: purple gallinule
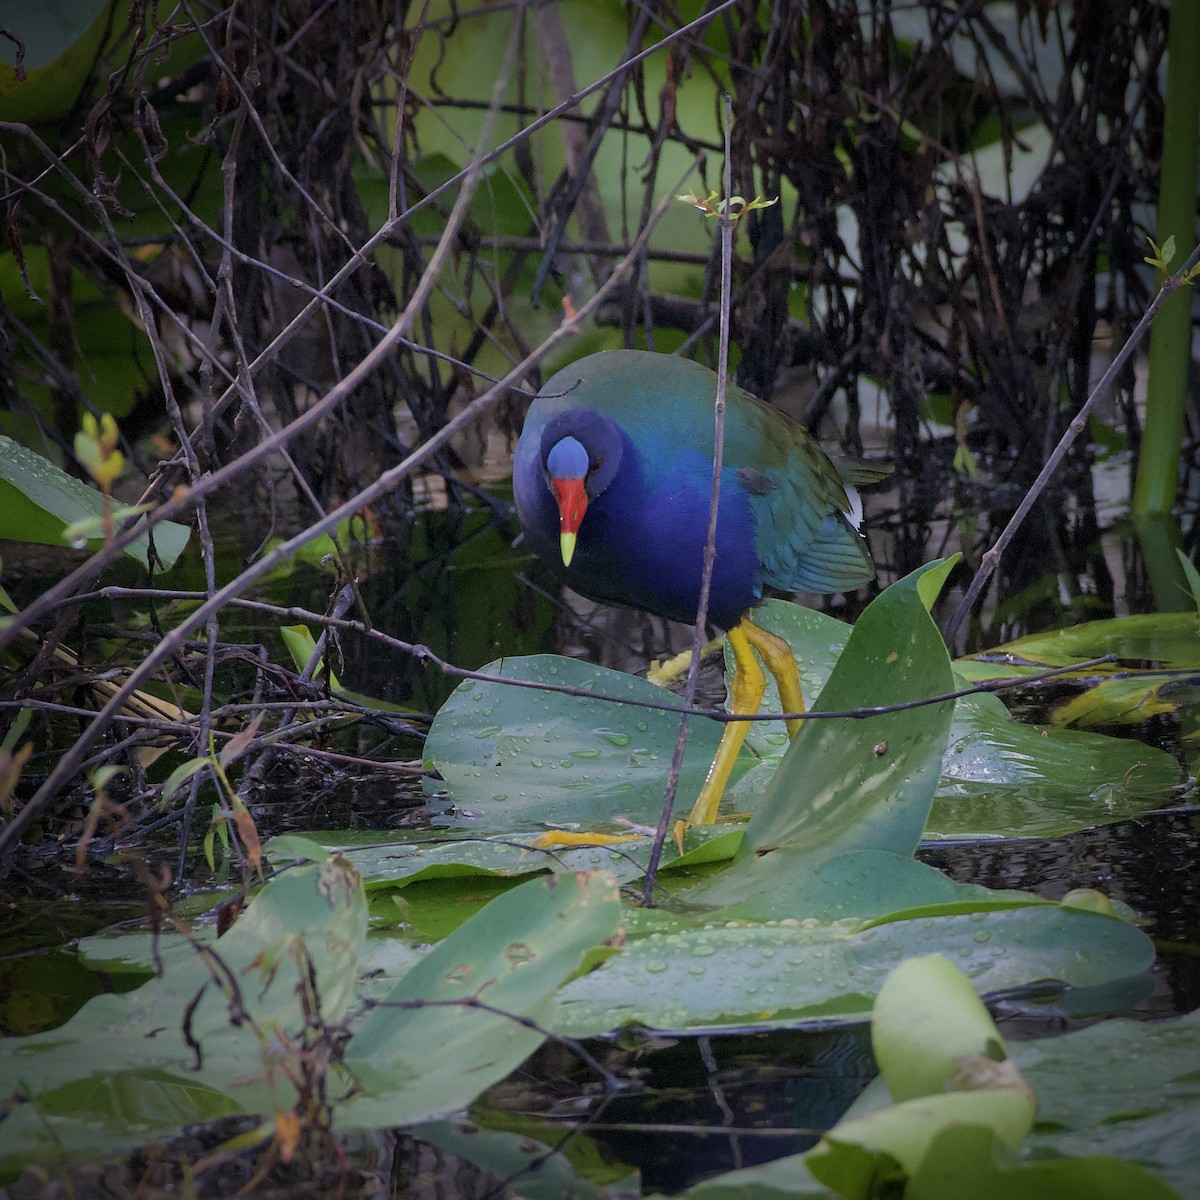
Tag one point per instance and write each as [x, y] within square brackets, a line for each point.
[613, 480]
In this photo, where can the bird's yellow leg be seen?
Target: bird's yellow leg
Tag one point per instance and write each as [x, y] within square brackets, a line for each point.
[778, 658]
[745, 694]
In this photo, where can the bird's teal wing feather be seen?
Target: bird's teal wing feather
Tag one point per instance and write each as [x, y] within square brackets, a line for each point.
[835, 561]
[803, 538]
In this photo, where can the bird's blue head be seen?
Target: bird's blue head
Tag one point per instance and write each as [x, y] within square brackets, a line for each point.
[567, 469]
[580, 452]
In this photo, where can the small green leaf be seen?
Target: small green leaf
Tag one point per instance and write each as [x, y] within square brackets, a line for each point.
[427, 1050]
[90, 528]
[301, 646]
[930, 1033]
[1192, 575]
[296, 847]
[38, 501]
[179, 777]
[965, 462]
[99, 779]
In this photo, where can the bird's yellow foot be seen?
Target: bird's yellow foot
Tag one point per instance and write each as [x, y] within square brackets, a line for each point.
[748, 642]
[677, 832]
[562, 837]
[671, 670]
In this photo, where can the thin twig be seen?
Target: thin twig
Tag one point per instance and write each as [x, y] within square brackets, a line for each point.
[725, 224]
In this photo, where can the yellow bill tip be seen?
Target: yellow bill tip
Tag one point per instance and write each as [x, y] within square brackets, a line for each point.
[566, 543]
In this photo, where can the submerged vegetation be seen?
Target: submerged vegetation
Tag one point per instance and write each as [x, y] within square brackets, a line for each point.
[286, 715]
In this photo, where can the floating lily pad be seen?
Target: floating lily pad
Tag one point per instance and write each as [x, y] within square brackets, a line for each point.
[851, 785]
[398, 864]
[761, 975]
[1006, 778]
[1127, 1088]
[518, 760]
[428, 1049]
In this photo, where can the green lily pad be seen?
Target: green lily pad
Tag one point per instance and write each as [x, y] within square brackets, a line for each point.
[215, 1030]
[780, 1179]
[771, 974]
[1006, 778]
[964, 1155]
[1127, 1088]
[848, 785]
[900, 1140]
[518, 760]
[398, 864]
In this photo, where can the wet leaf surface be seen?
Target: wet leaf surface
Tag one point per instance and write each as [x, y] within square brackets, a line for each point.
[428, 1049]
[794, 972]
[518, 760]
